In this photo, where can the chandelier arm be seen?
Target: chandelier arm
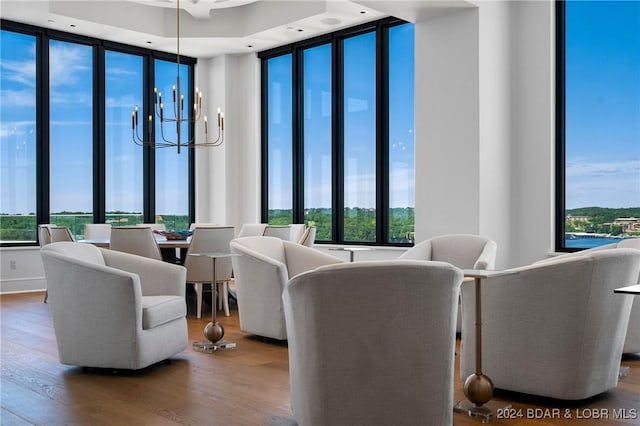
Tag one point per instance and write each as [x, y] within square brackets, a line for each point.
[179, 118]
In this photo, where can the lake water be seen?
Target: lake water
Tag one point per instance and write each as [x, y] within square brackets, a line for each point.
[590, 242]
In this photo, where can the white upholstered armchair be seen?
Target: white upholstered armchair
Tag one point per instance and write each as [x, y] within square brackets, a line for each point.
[112, 309]
[372, 343]
[465, 251]
[264, 266]
[553, 329]
[632, 339]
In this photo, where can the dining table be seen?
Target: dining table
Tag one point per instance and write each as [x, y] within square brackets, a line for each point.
[163, 244]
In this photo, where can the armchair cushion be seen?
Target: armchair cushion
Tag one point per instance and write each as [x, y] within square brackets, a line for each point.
[158, 310]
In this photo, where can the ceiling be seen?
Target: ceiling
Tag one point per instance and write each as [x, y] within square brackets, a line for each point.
[210, 28]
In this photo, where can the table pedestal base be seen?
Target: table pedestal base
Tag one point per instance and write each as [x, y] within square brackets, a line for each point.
[213, 347]
[483, 412]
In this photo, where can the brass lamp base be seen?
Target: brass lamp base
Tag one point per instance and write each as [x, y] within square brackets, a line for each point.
[478, 388]
[483, 412]
[214, 331]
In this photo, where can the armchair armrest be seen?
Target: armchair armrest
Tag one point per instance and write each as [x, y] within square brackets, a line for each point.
[487, 258]
[156, 277]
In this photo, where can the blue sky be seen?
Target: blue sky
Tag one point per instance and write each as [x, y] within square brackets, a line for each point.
[603, 123]
[603, 104]
[71, 131]
[359, 124]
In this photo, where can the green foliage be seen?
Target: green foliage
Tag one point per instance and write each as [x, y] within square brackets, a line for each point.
[359, 223]
[19, 228]
[600, 220]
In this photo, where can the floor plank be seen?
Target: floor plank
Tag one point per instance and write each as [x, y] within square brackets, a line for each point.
[239, 387]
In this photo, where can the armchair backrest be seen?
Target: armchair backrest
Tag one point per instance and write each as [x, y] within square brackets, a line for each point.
[213, 239]
[466, 251]
[353, 359]
[79, 251]
[135, 240]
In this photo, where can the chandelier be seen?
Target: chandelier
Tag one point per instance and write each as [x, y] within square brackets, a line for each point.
[176, 116]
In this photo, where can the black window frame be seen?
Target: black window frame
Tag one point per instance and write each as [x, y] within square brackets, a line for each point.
[381, 28]
[43, 35]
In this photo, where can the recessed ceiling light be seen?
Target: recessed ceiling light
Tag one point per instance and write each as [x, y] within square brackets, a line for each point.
[149, 42]
[300, 30]
[363, 12]
[330, 21]
[249, 45]
[72, 25]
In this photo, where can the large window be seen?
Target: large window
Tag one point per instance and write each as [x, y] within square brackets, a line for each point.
[124, 185]
[172, 169]
[338, 140]
[598, 122]
[18, 132]
[71, 134]
[68, 156]
[279, 130]
[317, 139]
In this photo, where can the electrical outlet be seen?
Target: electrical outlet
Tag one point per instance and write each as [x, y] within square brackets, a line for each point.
[12, 265]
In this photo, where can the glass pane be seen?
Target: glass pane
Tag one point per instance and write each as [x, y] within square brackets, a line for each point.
[18, 137]
[360, 138]
[279, 136]
[172, 169]
[317, 140]
[71, 135]
[602, 122]
[124, 184]
[401, 139]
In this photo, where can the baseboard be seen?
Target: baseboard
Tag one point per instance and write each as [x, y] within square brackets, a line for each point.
[22, 285]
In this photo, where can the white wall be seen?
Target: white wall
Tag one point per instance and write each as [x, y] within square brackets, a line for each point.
[484, 135]
[22, 269]
[533, 106]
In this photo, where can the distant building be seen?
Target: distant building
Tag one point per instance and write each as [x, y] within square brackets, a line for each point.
[579, 218]
[628, 224]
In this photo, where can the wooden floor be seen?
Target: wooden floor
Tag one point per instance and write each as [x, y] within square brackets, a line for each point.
[235, 387]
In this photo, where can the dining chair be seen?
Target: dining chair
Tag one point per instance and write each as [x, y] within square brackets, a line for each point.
[212, 239]
[153, 226]
[308, 237]
[201, 224]
[279, 231]
[97, 231]
[135, 240]
[252, 230]
[44, 235]
[296, 231]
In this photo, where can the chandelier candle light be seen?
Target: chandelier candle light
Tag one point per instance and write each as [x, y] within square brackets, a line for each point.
[178, 117]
